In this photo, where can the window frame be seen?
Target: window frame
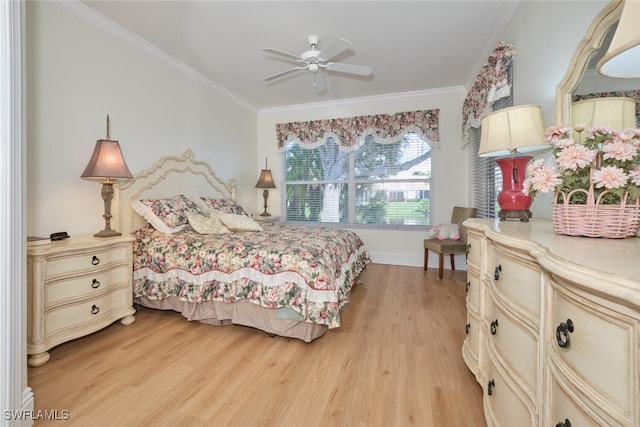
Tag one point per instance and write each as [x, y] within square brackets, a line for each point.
[351, 183]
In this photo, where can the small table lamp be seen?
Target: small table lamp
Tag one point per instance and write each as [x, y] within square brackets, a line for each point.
[506, 134]
[107, 164]
[265, 181]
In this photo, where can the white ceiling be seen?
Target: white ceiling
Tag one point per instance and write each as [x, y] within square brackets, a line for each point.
[411, 45]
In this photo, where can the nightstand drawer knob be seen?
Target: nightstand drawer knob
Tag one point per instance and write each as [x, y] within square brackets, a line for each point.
[95, 260]
[566, 423]
[95, 309]
[95, 283]
[562, 333]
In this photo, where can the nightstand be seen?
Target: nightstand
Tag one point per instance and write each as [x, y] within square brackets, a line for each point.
[75, 287]
[266, 219]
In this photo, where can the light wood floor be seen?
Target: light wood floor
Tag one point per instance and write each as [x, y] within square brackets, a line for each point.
[396, 361]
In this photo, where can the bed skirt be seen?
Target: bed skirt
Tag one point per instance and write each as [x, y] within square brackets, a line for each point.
[242, 312]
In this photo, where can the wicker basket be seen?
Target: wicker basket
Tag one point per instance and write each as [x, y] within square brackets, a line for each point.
[593, 219]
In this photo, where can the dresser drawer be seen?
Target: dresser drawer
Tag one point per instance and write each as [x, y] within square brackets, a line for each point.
[59, 291]
[473, 289]
[564, 408]
[503, 406]
[94, 311]
[599, 347]
[88, 260]
[473, 240]
[516, 277]
[515, 345]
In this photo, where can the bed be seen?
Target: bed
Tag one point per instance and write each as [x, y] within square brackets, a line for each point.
[197, 252]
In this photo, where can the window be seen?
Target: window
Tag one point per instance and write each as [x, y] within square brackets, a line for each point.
[377, 184]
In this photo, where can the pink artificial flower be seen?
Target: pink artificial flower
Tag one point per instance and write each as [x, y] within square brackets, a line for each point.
[634, 175]
[541, 178]
[600, 130]
[555, 133]
[563, 142]
[575, 157]
[619, 150]
[579, 127]
[610, 177]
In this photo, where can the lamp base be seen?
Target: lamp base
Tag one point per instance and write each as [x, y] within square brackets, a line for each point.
[107, 233]
[521, 215]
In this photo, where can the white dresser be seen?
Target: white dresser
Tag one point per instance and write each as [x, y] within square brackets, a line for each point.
[75, 287]
[553, 325]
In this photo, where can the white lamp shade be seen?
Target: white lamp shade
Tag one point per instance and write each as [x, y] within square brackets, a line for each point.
[623, 56]
[617, 113]
[513, 130]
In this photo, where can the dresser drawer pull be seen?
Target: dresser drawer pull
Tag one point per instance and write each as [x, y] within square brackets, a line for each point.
[496, 272]
[490, 387]
[466, 328]
[494, 327]
[562, 333]
[468, 247]
[566, 423]
[95, 309]
[466, 288]
[95, 283]
[95, 260]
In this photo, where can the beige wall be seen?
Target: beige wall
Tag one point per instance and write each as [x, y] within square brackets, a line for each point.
[76, 75]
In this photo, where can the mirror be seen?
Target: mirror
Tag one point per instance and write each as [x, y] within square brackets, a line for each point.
[588, 47]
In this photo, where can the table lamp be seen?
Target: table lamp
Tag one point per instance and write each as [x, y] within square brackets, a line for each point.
[616, 112]
[622, 59]
[265, 181]
[507, 134]
[107, 164]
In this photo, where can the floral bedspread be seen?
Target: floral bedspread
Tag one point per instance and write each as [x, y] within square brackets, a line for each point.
[310, 270]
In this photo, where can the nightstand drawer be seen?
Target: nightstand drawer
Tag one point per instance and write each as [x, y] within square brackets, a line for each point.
[86, 261]
[95, 311]
[59, 291]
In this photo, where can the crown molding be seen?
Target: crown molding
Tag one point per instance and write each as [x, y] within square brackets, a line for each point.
[373, 98]
[93, 18]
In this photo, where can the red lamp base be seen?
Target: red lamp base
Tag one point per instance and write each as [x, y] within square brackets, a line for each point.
[514, 204]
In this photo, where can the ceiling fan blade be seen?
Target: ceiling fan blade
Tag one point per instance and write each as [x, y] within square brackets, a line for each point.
[335, 49]
[282, 53]
[282, 73]
[318, 82]
[361, 70]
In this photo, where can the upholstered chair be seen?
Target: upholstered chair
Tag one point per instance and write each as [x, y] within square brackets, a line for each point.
[450, 247]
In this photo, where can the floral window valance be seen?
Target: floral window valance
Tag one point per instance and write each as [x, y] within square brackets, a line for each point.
[634, 94]
[491, 84]
[350, 132]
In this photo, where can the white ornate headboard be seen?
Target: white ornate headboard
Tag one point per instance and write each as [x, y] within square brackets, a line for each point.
[169, 176]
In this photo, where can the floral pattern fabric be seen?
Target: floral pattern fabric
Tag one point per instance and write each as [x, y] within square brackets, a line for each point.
[223, 205]
[350, 132]
[310, 270]
[491, 84]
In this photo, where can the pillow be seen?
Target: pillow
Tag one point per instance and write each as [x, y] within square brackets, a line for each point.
[167, 215]
[163, 214]
[204, 224]
[235, 222]
[223, 205]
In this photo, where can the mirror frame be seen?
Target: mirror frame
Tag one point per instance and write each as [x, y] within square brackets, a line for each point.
[591, 42]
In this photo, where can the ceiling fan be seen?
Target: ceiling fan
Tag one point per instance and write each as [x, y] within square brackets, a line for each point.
[315, 60]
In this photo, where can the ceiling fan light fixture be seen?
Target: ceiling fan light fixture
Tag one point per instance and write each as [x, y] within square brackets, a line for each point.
[314, 60]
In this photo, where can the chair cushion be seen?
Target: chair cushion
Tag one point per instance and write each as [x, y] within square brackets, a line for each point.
[446, 246]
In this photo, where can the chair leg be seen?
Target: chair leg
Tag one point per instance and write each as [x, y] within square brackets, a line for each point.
[453, 263]
[426, 258]
[440, 265]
